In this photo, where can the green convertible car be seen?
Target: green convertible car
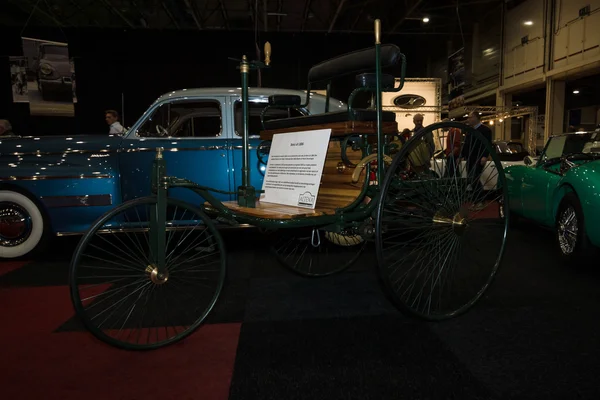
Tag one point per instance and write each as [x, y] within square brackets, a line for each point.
[561, 190]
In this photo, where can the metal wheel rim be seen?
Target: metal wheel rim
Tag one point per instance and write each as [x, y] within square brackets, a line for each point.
[500, 189]
[77, 301]
[302, 246]
[11, 214]
[568, 230]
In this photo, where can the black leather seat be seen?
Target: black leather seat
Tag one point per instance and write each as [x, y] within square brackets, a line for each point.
[369, 80]
[328, 118]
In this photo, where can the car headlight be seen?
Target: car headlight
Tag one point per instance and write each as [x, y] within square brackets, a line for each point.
[46, 69]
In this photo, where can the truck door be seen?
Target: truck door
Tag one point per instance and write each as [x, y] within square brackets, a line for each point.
[193, 133]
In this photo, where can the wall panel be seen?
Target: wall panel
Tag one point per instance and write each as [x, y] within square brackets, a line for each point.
[523, 62]
[487, 52]
[576, 39]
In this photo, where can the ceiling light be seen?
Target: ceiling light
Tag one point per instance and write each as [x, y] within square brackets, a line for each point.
[426, 19]
[575, 91]
[492, 122]
[500, 120]
[529, 23]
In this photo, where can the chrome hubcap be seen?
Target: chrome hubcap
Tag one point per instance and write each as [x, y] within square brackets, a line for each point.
[15, 224]
[567, 230]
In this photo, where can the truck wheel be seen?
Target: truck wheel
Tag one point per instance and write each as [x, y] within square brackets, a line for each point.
[22, 228]
[573, 243]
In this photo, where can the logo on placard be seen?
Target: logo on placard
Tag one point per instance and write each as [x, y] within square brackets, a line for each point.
[306, 199]
[410, 101]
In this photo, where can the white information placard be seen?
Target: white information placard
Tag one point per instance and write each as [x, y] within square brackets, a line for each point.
[294, 168]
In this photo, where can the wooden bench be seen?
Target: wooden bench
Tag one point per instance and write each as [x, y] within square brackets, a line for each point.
[337, 189]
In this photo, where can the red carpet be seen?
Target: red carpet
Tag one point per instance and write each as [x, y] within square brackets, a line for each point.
[74, 365]
[8, 266]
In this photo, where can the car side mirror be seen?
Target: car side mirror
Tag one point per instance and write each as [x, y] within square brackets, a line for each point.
[528, 160]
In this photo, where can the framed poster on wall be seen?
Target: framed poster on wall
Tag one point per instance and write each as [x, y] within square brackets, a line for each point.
[50, 77]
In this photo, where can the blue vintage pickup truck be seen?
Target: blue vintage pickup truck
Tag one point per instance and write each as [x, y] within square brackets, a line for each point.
[60, 185]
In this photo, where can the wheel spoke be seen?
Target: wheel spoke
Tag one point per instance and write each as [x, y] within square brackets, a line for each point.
[315, 252]
[119, 294]
[441, 230]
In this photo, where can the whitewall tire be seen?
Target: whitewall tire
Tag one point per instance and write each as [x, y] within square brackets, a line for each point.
[21, 225]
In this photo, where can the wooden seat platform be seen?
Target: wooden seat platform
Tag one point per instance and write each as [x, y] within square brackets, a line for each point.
[336, 191]
[277, 211]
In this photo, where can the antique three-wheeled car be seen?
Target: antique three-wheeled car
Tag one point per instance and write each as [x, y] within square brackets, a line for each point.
[148, 272]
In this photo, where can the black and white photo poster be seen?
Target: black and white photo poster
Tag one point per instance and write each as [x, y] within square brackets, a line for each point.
[50, 75]
[294, 169]
[18, 76]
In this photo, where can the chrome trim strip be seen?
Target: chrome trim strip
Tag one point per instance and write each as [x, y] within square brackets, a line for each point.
[202, 148]
[48, 177]
[108, 231]
[77, 201]
[122, 150]
[60, 153]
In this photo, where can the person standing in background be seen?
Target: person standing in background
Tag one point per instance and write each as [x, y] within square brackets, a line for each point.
[423, 151]
[112, 119]
[428, 138]
[6, 128]
[476, 155]
[452, 150]
[405, 134]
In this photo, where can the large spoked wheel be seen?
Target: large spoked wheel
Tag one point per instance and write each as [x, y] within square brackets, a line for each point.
[314, 252]
[120, 295]
[440, 232]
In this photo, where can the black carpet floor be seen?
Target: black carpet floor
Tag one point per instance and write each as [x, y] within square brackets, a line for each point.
[535, 334]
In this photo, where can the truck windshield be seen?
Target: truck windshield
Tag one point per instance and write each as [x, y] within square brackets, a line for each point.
[55, 52]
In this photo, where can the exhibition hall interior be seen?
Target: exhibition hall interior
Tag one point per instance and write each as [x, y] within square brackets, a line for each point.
[320, 200]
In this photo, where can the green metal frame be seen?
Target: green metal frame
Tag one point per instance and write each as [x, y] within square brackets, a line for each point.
[355, 212]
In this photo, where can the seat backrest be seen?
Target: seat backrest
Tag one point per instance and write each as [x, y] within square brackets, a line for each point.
[354, 63]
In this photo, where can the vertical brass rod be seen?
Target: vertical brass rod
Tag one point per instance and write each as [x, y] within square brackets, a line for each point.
[244, 69]
[378, 100]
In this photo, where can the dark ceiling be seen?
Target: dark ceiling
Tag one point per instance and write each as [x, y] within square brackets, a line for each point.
[339, 16]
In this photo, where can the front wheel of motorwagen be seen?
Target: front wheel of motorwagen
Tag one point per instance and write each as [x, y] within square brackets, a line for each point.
[120, 294]
[439, 235]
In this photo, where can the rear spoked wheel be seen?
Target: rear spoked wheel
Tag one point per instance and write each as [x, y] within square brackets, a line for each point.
[315, 252]
[440, 236]
[119, 293]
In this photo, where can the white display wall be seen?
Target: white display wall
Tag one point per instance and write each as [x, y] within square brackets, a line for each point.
[429, 89]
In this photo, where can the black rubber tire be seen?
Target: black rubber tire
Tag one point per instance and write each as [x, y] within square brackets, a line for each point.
[390, 176]
[26, 201]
